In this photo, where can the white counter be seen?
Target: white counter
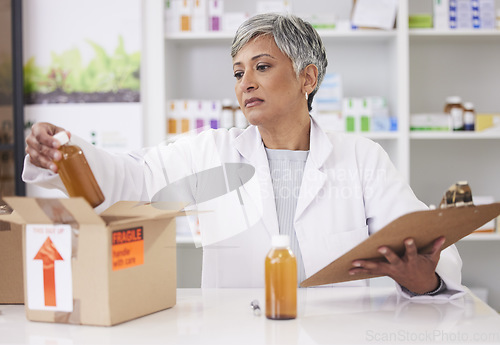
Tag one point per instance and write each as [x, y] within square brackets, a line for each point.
[325, 316]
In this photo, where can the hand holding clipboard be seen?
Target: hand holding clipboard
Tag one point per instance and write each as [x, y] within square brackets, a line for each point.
[456, 218]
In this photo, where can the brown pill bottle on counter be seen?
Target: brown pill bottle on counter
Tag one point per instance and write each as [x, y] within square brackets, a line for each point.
[281, 280]
[75, 172]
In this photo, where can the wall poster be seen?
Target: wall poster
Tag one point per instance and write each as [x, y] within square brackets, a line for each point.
[82, 70]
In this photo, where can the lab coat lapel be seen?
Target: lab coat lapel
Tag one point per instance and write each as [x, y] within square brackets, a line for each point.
[249, 145]
[314, 178]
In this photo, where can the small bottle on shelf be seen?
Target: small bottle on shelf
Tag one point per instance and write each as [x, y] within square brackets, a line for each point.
[227, 114]
[455, 109]
[469, 116]
[281, 280]
[75, 172]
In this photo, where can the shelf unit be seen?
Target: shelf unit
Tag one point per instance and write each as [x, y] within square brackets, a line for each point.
[395, 53]
[191, 37]
[463, 63]
[454, 33]
[423, 135]
[414, 69]
[383, 55]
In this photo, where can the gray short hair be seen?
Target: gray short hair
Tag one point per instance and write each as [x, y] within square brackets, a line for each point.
[295, 37]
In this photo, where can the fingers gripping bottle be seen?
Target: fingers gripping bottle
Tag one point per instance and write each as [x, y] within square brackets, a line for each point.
[75, 172]
[281, 280]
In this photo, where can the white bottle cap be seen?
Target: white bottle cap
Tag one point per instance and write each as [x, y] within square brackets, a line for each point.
[468, 106]
[226, 102]
[280, 241]
[62, 137]
[453, 100]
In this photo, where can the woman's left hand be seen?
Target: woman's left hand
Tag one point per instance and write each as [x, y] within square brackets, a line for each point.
[414, 271]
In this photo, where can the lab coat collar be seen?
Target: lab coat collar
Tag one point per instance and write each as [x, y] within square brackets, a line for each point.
[320, 148]
[249, 144]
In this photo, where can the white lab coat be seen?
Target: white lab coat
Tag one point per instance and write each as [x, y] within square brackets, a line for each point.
[350, 190]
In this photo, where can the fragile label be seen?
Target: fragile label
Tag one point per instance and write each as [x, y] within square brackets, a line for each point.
[127, 248]
[48, 267]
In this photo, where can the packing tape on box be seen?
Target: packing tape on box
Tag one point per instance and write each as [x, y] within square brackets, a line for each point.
[70, 317]
[56, 212]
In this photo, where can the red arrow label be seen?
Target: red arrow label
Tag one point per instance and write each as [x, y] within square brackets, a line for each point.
[48, 254]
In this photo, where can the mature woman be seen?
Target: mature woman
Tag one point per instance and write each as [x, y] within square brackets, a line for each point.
[327, 191]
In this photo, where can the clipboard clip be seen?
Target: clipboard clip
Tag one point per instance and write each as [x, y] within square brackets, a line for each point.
[458, 195]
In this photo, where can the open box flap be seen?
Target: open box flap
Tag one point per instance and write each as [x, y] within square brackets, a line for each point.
[124, 211]
[57, 211]
[13, 217]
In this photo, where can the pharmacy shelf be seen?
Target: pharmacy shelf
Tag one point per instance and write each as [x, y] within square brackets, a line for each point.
[453, 32]
[170, 138]
[426, 135]
[361, 35]
[482, 237]
[190, 38]
[381, 135]
[457, 36]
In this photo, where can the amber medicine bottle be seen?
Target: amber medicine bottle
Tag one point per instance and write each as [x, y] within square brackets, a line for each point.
[75, 172]
[455, 109]
[281, 280]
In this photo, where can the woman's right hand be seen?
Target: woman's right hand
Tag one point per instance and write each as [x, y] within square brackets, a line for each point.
[42, 148]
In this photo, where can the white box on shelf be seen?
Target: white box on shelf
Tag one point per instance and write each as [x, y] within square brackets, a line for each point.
[283, 6]
[329, 95]
[487, 19]
[185, 12]
[231, 21]
[375, 13]
[321, 21]
[215, 13]
[351, 112]
[172, 18]
[430, 122]
[199, 19]
[441, 14]
[463, 14]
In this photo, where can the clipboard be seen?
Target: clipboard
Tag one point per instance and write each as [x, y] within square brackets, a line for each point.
[423, 226]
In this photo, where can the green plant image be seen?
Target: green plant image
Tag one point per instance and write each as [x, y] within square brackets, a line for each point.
[106, 78]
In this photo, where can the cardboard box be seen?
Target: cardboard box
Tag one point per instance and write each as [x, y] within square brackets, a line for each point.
[84, 268]
[11, 263]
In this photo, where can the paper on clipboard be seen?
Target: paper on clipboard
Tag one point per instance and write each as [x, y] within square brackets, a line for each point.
[423, 226]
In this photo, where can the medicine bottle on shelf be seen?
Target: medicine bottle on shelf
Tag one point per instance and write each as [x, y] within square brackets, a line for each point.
[454, 108]
[227, 114]
[75, 172]
[281, 280]
[469, 116]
